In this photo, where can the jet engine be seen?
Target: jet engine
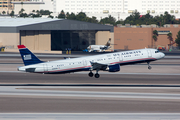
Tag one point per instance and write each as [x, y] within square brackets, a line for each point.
[113, 68]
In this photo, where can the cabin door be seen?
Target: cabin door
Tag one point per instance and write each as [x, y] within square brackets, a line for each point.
[149, 53]
[45, 67]
[84, 62]
[120, 57]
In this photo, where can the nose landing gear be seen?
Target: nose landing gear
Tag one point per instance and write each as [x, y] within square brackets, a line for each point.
[149, 67]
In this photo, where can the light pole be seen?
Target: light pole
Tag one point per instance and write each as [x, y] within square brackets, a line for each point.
[119, 16]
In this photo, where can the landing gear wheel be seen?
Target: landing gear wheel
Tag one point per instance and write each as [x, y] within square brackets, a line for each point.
[97, 75]
[149, 67]
[90, 74]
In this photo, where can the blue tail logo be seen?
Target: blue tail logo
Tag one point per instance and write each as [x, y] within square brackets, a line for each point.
[27, 56]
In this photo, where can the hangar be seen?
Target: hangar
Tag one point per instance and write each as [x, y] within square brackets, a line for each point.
[52, 34]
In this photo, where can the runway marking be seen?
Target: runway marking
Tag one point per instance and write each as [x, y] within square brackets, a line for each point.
[90, 116]
[74, 87]
[131, 73]
[87, 94]
[88, 85]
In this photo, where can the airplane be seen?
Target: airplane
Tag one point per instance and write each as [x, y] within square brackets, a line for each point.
[99, 48]
[110, 62]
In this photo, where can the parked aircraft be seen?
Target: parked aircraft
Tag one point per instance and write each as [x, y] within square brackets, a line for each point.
[99, 48]
[107, 62]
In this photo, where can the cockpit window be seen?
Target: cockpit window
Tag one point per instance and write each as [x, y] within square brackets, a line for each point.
[156, 51]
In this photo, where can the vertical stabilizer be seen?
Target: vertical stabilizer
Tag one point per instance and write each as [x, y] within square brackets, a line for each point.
[108, 42]
[27, 56]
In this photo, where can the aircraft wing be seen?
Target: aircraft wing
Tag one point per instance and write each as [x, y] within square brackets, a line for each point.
[98, 66]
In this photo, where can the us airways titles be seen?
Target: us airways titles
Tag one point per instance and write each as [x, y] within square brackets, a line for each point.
[127, 53]
[134, 52]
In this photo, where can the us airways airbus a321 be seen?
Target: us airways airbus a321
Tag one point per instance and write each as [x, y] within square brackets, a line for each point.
[107, 62]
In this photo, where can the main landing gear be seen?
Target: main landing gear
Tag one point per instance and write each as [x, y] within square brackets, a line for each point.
[90, 74]
[149, 67]
[96, 75]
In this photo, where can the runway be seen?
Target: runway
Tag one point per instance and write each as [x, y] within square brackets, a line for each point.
[91, 116]
[89, 99]
[78, 93]
[93, 92]
[134, 89]
[84, 79]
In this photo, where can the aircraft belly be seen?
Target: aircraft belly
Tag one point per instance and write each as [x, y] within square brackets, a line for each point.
[39, 69]
[69, 69]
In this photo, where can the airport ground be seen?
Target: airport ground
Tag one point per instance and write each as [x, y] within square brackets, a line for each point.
[134, 89]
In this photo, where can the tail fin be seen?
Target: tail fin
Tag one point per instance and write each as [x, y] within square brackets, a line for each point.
[108, 42]
[27, 56]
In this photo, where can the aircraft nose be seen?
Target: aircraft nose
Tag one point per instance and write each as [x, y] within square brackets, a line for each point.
[162, 55]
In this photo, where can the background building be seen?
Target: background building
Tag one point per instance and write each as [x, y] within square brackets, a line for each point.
[8, 6]
[137, 38]
[58, 34]
[28, 5]
[119, 9]
[52, 34]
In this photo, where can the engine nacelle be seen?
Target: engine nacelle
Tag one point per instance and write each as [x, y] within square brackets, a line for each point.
[113, 68]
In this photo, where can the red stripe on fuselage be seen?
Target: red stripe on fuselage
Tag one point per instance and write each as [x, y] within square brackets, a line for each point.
[67, 69]
[21, 46]
[91, 66]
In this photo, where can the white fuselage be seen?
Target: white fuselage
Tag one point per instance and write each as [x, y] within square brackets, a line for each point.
[98, 48]
[84, 63]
